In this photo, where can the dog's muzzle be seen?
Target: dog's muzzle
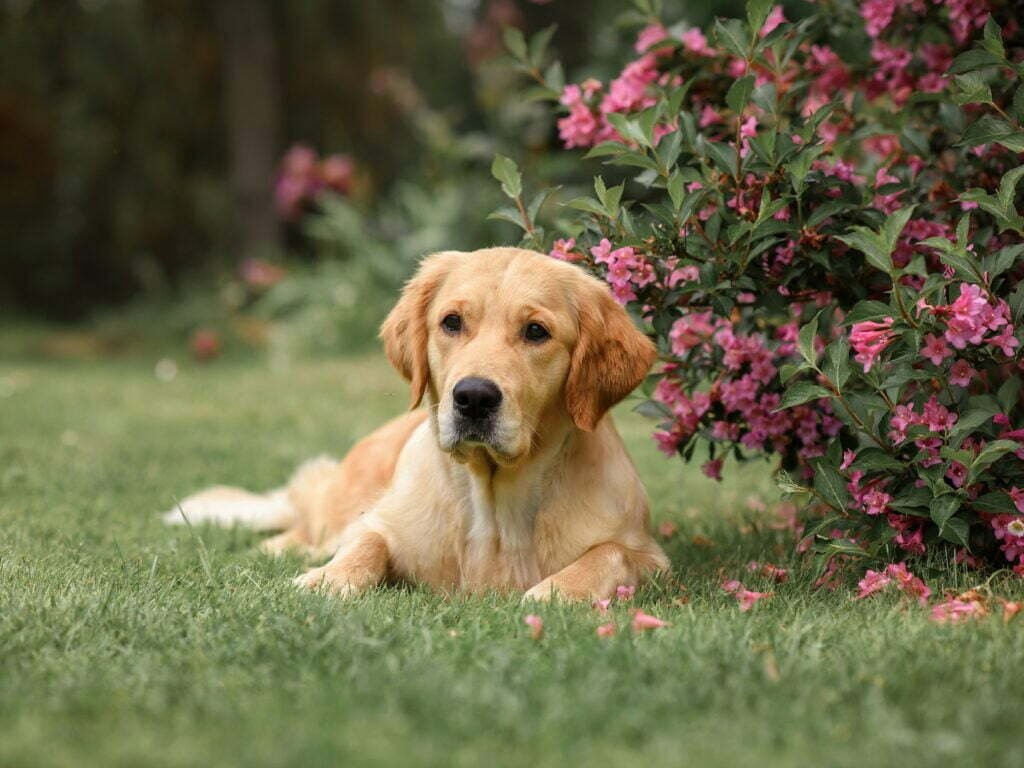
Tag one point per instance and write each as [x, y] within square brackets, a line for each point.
[476, 404]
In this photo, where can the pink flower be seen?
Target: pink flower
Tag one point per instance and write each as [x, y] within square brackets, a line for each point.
[877, 15]
[712, 469]
[607, 630]
[957, 610]
[775, 18]
[961, 374]
[626, 271]
[1005, 341]
[580, 128]
[898, 574]
[642, 621]
[873, 581]
[748, 599]
[690, 330]
[869, 338]
[695, 42]
[564, 250]
[709, 116]
[935, 349]
[625, 591]
[337, 171]
[731, 586]
[536, 625]
[778, 575]
[908, 583]
[648, 36]
[1017, 496]
[602, 605]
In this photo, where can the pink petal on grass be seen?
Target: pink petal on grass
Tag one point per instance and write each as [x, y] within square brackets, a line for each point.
[536, 625]
[624, 591]
[749, 599]
[601, 606]
[731, 586]
[642, 621]
[607, 630]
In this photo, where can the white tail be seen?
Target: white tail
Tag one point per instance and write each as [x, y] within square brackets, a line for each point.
[232, 506]
[271, 511]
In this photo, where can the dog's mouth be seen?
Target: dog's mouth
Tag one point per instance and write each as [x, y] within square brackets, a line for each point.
[463, 437]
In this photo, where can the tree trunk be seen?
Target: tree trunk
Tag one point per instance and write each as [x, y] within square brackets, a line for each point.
[252, 116]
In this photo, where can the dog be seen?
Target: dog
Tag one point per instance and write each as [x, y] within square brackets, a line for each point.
[513, 478]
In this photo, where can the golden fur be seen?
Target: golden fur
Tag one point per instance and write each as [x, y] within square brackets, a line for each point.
[550, 504]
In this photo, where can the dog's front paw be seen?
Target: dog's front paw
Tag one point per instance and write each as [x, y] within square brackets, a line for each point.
[324, 579]
[544, 592]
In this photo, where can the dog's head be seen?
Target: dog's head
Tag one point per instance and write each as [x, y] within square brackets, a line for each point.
[503, 341]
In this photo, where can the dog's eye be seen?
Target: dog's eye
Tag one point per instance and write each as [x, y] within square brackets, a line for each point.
[536, 333]
[452, 323]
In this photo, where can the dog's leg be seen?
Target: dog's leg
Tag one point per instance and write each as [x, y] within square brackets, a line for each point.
[361, 563]
[597, 572]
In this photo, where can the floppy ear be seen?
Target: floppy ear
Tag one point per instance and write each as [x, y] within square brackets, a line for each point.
[404, 331]
[611, 357]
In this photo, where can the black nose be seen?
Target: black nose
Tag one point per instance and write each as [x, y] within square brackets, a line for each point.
[476, 398]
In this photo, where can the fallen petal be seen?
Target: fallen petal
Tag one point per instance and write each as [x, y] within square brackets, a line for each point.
[607, 630]
[643, 621]
[536, 625]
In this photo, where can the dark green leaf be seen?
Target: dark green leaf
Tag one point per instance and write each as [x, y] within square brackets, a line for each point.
[802, 392]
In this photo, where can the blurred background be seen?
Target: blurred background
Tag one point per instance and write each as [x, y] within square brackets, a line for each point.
[259, 176]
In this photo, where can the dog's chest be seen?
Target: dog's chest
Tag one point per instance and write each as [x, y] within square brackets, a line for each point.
[499, 550]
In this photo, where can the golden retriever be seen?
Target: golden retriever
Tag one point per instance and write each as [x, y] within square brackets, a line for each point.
[514, 476]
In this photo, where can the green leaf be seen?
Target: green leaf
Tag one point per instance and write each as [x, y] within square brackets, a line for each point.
[992, 453]
[606, 148]
[806, 341]
[1009, 393]
[993, 39]
[872, 245]
[974, 59]
[971, 89]
[539, 45]
[733, 35]
[996, 502]
[955, 530]
[970, 421]
[943, 507]
[505, 170]
[757, 13]
[538, 202]
[873, 459]
[988, 129]
[676, 189]
[515, 42]
[738, 94]
[787, 484]
[628, 129]
[800, 393]
[894, 226]
[588, 204]
[509, 214]
[830, 485]
[868, 310]
[837, 362]
[1008, 188]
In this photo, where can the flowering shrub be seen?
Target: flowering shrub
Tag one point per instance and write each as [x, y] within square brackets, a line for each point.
[303, 176]
[818, 220]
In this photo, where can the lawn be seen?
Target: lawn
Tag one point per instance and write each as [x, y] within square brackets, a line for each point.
[123, 642]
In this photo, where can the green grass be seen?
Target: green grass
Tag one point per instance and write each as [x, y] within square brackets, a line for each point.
[123, 642]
